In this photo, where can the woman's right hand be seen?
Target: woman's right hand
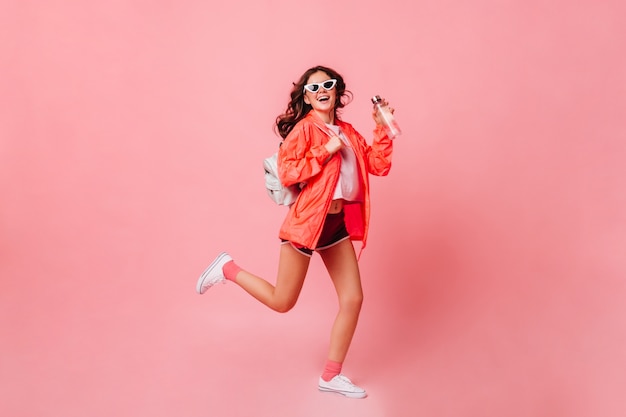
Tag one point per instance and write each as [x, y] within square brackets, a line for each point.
[334, 144]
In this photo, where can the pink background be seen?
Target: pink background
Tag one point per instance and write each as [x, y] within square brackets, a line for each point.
[131, 141]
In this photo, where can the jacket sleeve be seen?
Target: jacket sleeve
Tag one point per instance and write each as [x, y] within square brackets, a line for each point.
[298, 160]
[378, 155]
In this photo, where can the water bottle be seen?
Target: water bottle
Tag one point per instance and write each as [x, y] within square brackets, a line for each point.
[386, 117]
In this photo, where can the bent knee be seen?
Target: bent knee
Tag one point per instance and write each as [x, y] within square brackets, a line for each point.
[283, 306]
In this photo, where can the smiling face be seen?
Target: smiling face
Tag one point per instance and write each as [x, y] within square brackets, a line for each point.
[322, 101]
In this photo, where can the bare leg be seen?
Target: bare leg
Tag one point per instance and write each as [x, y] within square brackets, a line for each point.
[342, 265]
[292, 268]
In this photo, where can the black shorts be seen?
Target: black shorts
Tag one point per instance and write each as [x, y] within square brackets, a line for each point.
[334, 231]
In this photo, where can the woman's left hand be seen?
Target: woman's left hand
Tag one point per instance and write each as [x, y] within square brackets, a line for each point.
[375, 116]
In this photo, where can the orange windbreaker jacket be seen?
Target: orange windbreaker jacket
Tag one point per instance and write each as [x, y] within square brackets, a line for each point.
[302, 158]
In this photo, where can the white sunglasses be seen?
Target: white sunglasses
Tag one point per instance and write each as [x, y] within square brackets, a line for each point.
[327, 85]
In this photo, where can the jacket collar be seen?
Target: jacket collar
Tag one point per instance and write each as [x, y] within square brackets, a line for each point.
[314, 118]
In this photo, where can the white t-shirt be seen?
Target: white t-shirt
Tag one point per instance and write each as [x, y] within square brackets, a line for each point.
[349, 184]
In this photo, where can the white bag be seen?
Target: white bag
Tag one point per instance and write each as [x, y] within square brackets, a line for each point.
[281, 195]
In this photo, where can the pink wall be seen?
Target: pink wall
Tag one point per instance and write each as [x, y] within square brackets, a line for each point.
[131, 140]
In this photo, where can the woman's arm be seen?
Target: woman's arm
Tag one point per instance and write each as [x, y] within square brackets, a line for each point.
[298, 160]
[378, 154]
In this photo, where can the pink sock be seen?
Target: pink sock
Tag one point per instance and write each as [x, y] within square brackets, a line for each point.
[230, 270]
[331, 370]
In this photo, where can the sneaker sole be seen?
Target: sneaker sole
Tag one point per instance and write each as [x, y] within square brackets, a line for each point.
[344, 393]
[206, 272]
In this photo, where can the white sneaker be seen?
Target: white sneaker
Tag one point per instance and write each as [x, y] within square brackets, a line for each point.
[341, 384]
[213, 274]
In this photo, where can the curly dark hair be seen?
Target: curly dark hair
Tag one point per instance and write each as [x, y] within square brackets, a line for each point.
[297, 108]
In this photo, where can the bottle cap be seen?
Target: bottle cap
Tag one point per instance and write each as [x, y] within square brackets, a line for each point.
[376, 99]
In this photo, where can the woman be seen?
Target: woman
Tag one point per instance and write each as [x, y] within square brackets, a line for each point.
[331, 161]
